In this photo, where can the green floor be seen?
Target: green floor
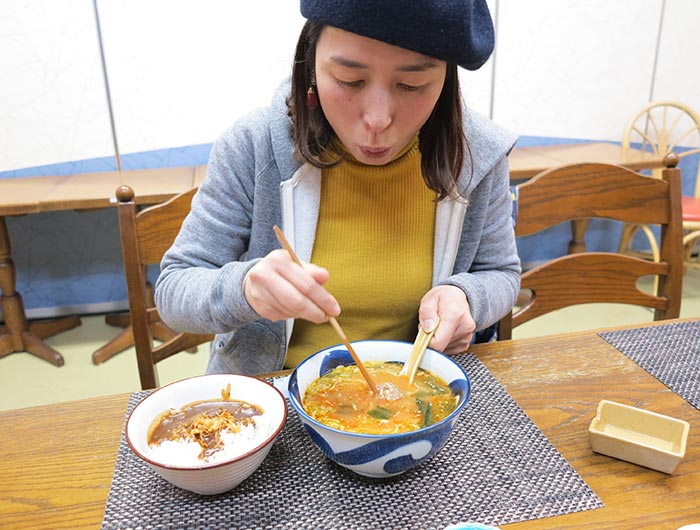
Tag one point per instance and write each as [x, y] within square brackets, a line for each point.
[27, 381]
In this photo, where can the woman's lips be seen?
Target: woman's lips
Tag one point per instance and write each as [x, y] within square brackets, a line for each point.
[375, 152]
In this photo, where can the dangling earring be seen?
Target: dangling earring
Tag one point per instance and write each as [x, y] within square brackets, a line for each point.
[311, 95]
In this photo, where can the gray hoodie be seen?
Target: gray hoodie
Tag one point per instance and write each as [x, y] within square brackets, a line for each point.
[254, 182]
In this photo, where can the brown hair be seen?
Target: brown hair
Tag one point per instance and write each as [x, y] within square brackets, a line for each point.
[441, 139]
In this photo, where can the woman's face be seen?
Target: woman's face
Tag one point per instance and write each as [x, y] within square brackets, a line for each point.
[375, 96]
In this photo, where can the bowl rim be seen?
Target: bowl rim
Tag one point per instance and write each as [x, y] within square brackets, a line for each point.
[298, 407]
[269, 439]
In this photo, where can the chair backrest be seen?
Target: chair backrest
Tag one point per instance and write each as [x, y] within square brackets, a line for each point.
[145, 237]
[662, 127]
[582, 191]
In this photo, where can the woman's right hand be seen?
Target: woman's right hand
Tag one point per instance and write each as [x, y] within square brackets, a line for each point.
[277, 288]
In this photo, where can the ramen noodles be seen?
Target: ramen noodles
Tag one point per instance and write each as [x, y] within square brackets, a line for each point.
[343, 400]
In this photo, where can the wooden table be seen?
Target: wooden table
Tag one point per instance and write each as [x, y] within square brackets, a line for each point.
[21, 196]
[58, 460]
[526, 162]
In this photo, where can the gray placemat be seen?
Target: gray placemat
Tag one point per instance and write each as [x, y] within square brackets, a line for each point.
[670, 352]
[497, 468]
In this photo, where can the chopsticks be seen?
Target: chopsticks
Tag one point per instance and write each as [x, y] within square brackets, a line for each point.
[410, 367]
[333, 322]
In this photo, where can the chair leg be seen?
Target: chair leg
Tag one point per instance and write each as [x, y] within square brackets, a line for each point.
[118, 320]
[690, 242]
[124, 340]
[655, 253]
[653, 245]
[505, 327]
[628, 231]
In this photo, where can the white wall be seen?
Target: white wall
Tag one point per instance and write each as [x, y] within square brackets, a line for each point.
[574, 69]
[181, 71]
[52, 100]
[678, 73]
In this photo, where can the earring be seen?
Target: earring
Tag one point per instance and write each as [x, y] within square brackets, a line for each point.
[311, 95]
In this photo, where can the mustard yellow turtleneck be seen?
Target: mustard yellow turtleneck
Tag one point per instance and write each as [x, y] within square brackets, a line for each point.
[375, 236]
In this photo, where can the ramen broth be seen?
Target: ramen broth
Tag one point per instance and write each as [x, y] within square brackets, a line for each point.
[342, 399]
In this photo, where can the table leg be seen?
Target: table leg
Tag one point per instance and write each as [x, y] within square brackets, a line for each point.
[18, 335]
[578, 233]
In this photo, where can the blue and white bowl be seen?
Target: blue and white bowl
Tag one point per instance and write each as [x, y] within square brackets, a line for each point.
[378, 455]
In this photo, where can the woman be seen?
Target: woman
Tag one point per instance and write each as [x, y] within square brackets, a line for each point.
[393, 195]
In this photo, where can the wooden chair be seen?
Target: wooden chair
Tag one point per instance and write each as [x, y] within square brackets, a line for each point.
[145, 237]
[600, 191]
[125, 339]
[661, 127]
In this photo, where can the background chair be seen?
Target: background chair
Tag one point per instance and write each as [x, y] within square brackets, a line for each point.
[145, 236]
[662, 127]
[125, 338]
[600, 191]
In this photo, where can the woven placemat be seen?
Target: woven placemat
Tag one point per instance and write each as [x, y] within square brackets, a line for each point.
[497, 468]
[670, 352]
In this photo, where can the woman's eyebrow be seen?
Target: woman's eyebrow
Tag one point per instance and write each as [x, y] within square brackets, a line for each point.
[417, 67]
[348, 63]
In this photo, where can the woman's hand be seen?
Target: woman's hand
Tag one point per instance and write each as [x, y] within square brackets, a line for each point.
[456, 323]
[277, 288]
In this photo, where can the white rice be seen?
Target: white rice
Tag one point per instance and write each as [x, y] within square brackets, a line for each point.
[185, 453]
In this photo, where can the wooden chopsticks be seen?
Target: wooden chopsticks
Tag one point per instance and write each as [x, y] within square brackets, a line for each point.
[370, 381]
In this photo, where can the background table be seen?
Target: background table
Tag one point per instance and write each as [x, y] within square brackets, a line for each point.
[83, 191]
[526, 162]
[21, 196]
[56, 472]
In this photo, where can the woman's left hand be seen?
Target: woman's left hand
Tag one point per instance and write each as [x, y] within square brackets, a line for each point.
[456, 323]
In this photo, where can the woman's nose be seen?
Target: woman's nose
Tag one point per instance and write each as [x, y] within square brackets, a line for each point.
[378, 112]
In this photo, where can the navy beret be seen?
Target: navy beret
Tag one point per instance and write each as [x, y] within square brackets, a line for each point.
[456, 31]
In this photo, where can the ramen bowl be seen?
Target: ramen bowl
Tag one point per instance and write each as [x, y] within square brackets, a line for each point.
[242, 453]
[378, 455]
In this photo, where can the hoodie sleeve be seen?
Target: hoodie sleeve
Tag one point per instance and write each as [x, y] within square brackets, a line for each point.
[199, 289]
[487, 267]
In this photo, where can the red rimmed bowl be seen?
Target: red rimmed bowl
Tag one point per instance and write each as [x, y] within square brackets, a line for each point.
[241, 457]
